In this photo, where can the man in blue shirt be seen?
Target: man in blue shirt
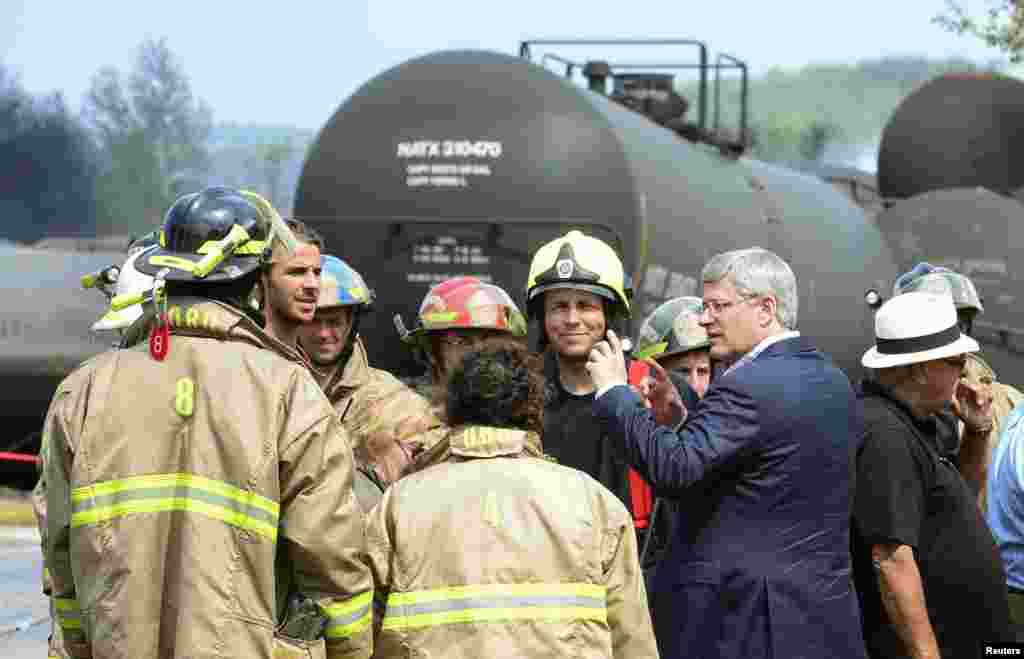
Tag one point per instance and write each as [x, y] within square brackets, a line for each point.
[1005, 514]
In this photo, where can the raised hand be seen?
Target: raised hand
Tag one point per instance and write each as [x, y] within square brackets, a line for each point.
[973, 405]
[664, 398]
[606, 363]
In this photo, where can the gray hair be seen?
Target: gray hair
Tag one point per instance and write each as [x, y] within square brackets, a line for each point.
[757, 271]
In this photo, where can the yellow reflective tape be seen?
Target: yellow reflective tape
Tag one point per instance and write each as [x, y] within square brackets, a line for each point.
[68, 613]
[173, 262]
[348, 606]
[349, 629]
[499, 590]
[651, 351]
[495, 615]
[175, 480]
[69, 623]
[250, 248]
[440, 317]
[65, 604]
[122, 302]
[169, 504]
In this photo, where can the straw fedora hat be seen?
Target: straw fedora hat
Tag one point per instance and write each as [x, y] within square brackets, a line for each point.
[916, 327]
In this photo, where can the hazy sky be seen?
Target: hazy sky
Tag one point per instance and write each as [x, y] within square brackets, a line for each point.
[294, 62]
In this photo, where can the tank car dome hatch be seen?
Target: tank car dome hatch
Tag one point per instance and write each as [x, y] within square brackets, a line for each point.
[957, 130]
[465, 162]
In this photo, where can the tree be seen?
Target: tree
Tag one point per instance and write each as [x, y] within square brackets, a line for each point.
[271, 161]
[152, 133]
[816, 137]
[47, 167]
[1002, 27]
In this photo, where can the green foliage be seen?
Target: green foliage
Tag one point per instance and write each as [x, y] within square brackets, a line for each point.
[259, 157]
[795, 114]
[1002, 27]
[152, 136]
[47, 167]
[131, 195]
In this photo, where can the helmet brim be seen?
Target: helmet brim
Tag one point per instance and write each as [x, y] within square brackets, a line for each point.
[232, 268]
[602, 291]
[705, 345]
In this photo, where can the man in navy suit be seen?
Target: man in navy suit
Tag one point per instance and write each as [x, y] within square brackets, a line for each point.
[762, 471]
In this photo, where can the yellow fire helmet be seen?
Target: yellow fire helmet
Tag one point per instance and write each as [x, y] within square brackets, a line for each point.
[581, 262]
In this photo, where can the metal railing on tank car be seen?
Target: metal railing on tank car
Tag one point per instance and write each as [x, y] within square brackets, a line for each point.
[723, 62]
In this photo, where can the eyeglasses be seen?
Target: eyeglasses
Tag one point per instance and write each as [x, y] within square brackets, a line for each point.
[716, 308]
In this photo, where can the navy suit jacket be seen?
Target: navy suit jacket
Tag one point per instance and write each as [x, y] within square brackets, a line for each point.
[762, 471]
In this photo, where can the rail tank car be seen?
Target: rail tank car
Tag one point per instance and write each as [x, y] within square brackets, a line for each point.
[45, 318]
[465, 162]
[959, 130]
[949, 164]
[978, 233]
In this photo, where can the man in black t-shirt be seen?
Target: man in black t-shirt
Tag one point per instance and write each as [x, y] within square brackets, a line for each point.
[925, 564]
[576, 290]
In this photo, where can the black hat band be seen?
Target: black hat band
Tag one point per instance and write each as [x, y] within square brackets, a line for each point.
[918, 343]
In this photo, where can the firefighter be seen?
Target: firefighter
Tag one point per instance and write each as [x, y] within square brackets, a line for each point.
[380, 413]
[986, 403]
[289, 283]
[199, 484]
[455, 317]
[126, 281]
[673, 337]
[477, 557]
[576, 291]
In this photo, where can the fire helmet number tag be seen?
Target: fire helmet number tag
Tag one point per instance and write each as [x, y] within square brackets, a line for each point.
[160, 339]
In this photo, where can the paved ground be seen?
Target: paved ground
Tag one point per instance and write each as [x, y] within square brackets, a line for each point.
[24, 614]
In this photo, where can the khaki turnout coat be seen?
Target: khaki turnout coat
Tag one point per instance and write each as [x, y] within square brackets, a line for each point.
[495, 554]
[187, 499]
